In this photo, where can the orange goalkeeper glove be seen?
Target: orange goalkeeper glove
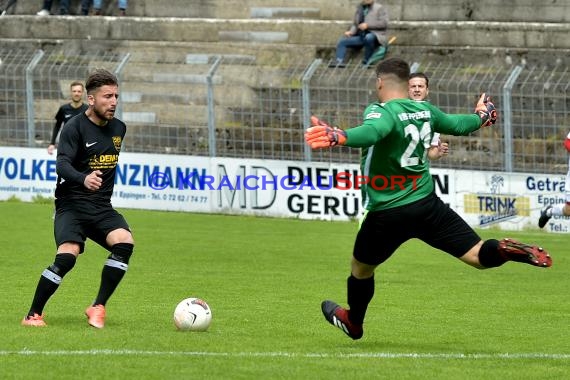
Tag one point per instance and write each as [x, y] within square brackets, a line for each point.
[486, 110]
[321, 135]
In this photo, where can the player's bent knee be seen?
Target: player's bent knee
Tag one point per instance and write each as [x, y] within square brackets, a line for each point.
[472, 256]
[70, 247]
[120, 235]
[361, 270]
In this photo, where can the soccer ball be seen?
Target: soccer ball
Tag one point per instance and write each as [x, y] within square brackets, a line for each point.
[192, 314]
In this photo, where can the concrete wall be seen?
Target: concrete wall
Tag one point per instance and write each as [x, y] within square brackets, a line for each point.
[555, 11]
[550, 11]
[280, 32]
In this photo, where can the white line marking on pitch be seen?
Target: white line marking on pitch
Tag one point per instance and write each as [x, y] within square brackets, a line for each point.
[364, 355]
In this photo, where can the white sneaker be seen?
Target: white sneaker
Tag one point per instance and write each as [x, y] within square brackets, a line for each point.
[43, 12]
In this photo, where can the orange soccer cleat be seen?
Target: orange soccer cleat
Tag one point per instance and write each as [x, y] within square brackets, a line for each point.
[96, 316]
[35, 320]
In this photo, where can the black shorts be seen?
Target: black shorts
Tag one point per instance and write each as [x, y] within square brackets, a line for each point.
[428, 219]
[75, 221]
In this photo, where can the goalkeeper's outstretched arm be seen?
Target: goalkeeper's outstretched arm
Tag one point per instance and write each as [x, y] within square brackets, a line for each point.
[463, 124]
[322, 135]
[486, 111]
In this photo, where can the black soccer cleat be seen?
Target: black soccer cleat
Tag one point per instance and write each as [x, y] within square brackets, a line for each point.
[523, 253]
[544, 218]
[338, 317]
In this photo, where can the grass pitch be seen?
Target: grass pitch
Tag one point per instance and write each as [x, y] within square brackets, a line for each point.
[432, 317]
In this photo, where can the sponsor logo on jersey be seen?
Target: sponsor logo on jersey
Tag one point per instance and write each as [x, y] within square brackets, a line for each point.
[374, 115]
[420, 115]
[103, 161]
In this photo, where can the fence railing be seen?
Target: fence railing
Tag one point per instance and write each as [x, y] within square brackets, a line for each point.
[229, 106]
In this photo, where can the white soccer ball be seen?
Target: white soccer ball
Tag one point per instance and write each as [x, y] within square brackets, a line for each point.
[192, 314]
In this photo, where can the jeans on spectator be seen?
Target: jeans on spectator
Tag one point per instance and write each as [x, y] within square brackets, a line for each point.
[85, 5]
[368, 40]
[97, 4]
[63, 6]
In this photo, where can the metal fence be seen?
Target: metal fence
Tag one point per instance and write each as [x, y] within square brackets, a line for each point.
[230, 106]
[34, 84]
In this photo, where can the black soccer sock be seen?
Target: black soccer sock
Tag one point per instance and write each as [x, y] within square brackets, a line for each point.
[489, 255]
[49, 281]
[115, 268]
[359, 294]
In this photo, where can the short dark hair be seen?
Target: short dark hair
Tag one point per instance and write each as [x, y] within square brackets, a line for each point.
[420, 75]
[394, 66]
[76, 83]
[99, 78]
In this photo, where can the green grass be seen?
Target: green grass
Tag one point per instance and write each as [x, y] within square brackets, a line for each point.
[432, 317]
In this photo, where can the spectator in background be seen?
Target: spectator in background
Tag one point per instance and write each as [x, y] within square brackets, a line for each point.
[67, 111]
[418, 89]
[46, 8]
[558, 209]
[85, 6]
[368, 30]
[418, 86]
[98, 5]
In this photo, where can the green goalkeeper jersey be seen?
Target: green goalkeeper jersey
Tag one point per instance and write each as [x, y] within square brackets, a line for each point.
[395, 137]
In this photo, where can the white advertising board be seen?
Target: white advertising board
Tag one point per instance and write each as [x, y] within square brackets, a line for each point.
[290, 189]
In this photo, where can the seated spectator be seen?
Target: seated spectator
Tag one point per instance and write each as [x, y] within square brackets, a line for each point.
[97, 6]
[368, 30]
[46, 8]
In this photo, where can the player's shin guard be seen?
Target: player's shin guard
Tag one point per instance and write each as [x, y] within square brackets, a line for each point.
[489, 255]
[115, 268]
[50, 279]
[359, 294]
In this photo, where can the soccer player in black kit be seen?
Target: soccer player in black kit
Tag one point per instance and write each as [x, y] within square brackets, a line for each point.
[87, 158]
[67, 111]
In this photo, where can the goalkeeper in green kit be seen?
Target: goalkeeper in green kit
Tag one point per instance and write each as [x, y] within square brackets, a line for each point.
[395, 136]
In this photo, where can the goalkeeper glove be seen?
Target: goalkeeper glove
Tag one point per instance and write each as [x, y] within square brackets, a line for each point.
[486, 110]
[322, 135]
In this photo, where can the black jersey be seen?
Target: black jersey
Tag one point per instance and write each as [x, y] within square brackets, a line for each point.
[63, 115]
[83, 148]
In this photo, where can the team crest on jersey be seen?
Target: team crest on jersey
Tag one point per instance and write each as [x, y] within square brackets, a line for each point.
[374, 115]
[117, 140]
